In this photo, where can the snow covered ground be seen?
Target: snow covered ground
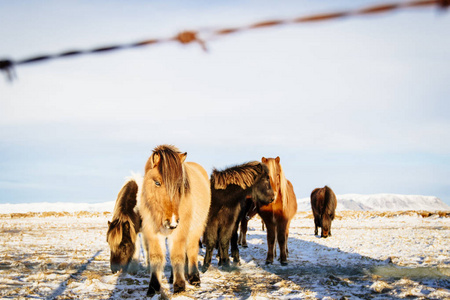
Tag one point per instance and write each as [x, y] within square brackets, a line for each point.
[371, 255]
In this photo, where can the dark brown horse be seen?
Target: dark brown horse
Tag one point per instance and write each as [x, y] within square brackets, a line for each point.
[122, 235]
[229, 189]
[174, 207]
[323, 204]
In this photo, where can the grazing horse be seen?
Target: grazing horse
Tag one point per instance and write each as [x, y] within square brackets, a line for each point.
[174, 205]
[278, 215]
[323, 204]
[229, 189]
[122, 235]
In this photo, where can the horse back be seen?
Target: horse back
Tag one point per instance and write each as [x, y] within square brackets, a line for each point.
[317, 201]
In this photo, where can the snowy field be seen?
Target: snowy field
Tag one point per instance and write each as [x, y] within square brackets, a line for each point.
[371, 255]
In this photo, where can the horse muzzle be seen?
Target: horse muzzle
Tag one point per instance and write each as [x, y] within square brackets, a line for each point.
[171, 224]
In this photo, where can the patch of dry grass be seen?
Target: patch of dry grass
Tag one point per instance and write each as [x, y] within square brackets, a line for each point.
[80, 214]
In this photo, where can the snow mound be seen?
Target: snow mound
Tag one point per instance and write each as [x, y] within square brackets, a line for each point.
[382, 202]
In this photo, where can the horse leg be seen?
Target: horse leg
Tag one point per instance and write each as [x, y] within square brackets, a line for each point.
[271, 236]
[316, 224]
[210, 241]
[282, 241]
[177, 246]
[193, 275]
[146, 252]
[234, 245]
[134, 264]
[243, 232]
[224, 244]
[157, 261]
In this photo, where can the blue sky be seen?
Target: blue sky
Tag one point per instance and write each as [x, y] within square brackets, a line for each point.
[360, 104]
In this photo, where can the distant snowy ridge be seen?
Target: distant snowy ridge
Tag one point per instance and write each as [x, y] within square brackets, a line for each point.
[382, 202]
[377, 202]
[56, 207]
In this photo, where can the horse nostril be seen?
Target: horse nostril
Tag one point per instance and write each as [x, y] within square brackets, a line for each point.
[166, 224]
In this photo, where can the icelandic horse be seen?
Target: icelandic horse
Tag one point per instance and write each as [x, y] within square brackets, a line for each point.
[323, 205]
[123, 230]
[229, 191]
[174, 205]
[278, 215]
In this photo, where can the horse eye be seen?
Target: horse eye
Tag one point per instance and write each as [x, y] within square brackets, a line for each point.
[157, 183]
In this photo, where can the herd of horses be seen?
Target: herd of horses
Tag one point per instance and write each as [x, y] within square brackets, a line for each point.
[176, 202]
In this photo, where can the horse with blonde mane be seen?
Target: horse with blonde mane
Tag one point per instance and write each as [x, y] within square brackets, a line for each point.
[278, 214]
[123, 229]
[174, 205]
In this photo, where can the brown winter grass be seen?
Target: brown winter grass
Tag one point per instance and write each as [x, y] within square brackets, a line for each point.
[345, 214]
[79, 214]
[350, 214]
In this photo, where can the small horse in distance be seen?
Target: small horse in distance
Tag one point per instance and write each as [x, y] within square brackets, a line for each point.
[229, 189]
[174, 205]
[278, 215]
[122, 235]
[323, 205]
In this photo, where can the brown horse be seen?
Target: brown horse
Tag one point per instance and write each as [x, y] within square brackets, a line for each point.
[122, 235]
[323, 204]
[278, 215]
[175, 203]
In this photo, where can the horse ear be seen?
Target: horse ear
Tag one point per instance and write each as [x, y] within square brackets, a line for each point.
[182, 156]
[263, 159]
[152, 162]
[277, 159]
[109, 223]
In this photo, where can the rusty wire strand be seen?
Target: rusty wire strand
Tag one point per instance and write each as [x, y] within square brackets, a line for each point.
[187, 37]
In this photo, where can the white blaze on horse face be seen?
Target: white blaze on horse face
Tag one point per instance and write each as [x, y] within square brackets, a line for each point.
[173, 222]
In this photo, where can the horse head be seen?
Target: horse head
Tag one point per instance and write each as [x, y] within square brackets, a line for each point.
[326, 223]
[121, 238]
[275, 173]
[262, 191]
[164, 184]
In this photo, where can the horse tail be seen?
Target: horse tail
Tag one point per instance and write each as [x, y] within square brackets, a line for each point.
[330, 201]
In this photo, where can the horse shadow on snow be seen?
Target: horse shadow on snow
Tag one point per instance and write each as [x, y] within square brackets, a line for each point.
[329, 273]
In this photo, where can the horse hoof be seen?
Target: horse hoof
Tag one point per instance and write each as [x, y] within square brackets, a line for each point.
[245, 246]
[151, 292]
[284, 263]
[179, 287]
[194, 280]
[268, 262]
[205, 268]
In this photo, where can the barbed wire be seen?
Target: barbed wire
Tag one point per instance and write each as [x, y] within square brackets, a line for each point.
[186, 37]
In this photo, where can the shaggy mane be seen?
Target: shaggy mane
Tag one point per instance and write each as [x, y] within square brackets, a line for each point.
[272, 165]
[242, 175]
[171, 169]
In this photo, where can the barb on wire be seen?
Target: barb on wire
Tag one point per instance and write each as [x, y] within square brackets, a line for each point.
[187, 37]
[7, 66]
